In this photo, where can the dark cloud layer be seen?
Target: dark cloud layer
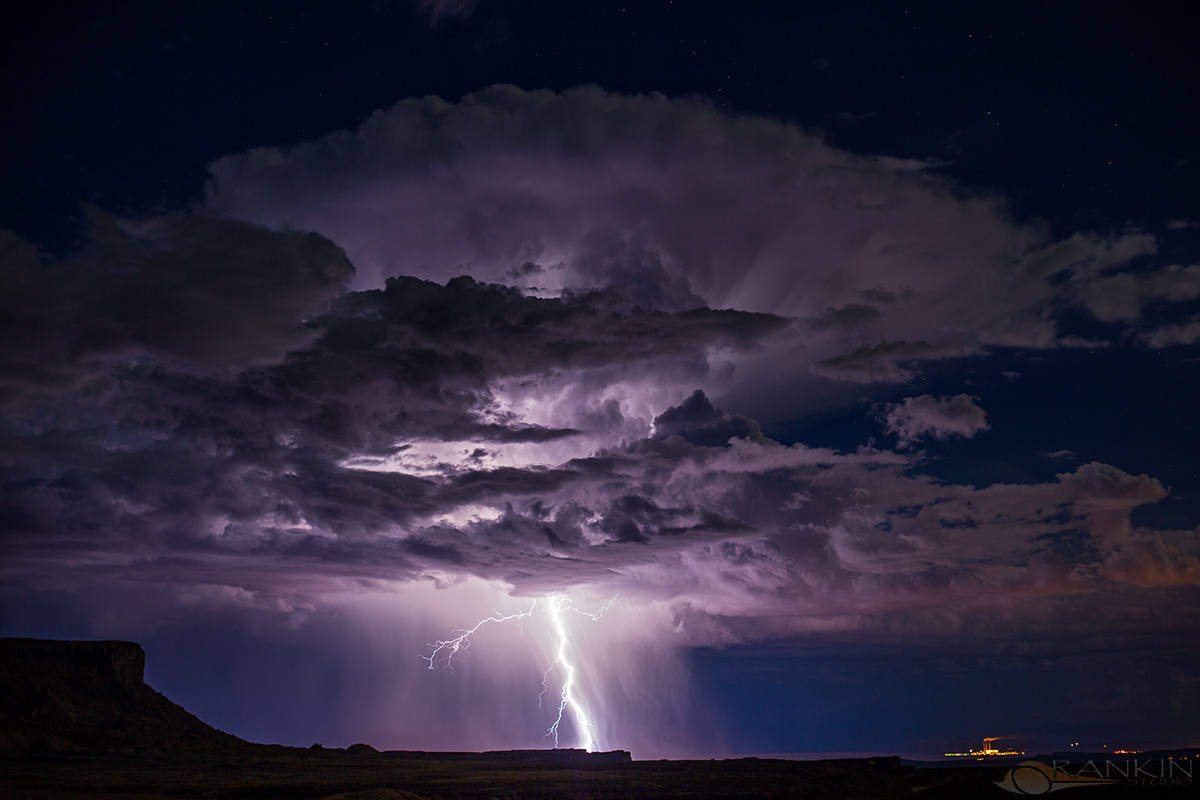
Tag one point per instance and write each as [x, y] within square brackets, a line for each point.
[212, 293]
[223, 412]
[210, 399]
[210, 383]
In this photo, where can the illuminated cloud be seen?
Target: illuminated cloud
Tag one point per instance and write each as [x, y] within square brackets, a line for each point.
[938, 418]
[675, 204]
[1155, 558]
[467, 429]
[496, 372]
[556, 433]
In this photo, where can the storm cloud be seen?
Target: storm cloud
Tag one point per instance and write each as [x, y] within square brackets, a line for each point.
[488, 343]
[222, 407]
[677, 204]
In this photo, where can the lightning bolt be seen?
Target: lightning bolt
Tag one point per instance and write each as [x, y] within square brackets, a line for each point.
[444, 651]
[443, 654]
[567, 699]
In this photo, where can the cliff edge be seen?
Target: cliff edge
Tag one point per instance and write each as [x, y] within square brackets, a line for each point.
[90, 697]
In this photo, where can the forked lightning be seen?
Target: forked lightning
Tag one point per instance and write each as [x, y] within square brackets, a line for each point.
[443, 653]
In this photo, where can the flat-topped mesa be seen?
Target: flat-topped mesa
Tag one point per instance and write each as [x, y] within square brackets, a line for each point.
[124, 662]
[562, 755]
[558, 755]
[59, 696]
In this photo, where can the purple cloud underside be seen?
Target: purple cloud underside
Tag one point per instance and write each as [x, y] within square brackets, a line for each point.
[333, 437]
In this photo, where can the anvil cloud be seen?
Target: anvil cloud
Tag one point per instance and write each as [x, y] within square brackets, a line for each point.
[679, 205]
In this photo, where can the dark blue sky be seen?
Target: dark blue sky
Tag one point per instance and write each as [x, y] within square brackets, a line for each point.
[987, 314]
[1077, 113]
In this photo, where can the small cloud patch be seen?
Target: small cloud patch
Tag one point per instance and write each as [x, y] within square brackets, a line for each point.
[939, 418]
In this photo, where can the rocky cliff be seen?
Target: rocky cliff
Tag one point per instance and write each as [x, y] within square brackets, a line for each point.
[89, 697]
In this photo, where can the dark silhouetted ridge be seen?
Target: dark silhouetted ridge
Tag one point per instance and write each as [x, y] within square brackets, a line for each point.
[90, 697]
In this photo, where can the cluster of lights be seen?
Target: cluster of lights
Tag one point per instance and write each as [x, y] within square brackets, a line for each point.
[987, 750]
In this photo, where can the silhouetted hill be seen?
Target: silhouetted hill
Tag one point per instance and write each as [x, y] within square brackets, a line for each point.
[90, 697]
[77, 720]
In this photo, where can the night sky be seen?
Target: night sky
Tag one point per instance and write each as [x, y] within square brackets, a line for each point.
[839, 359]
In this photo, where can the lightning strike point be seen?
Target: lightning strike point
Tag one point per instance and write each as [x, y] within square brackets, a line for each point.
[443, 653]
[567, 699]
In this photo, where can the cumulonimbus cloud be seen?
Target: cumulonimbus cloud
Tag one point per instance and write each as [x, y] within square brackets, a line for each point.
[676, 204]
[515, 383]
[473, 429]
